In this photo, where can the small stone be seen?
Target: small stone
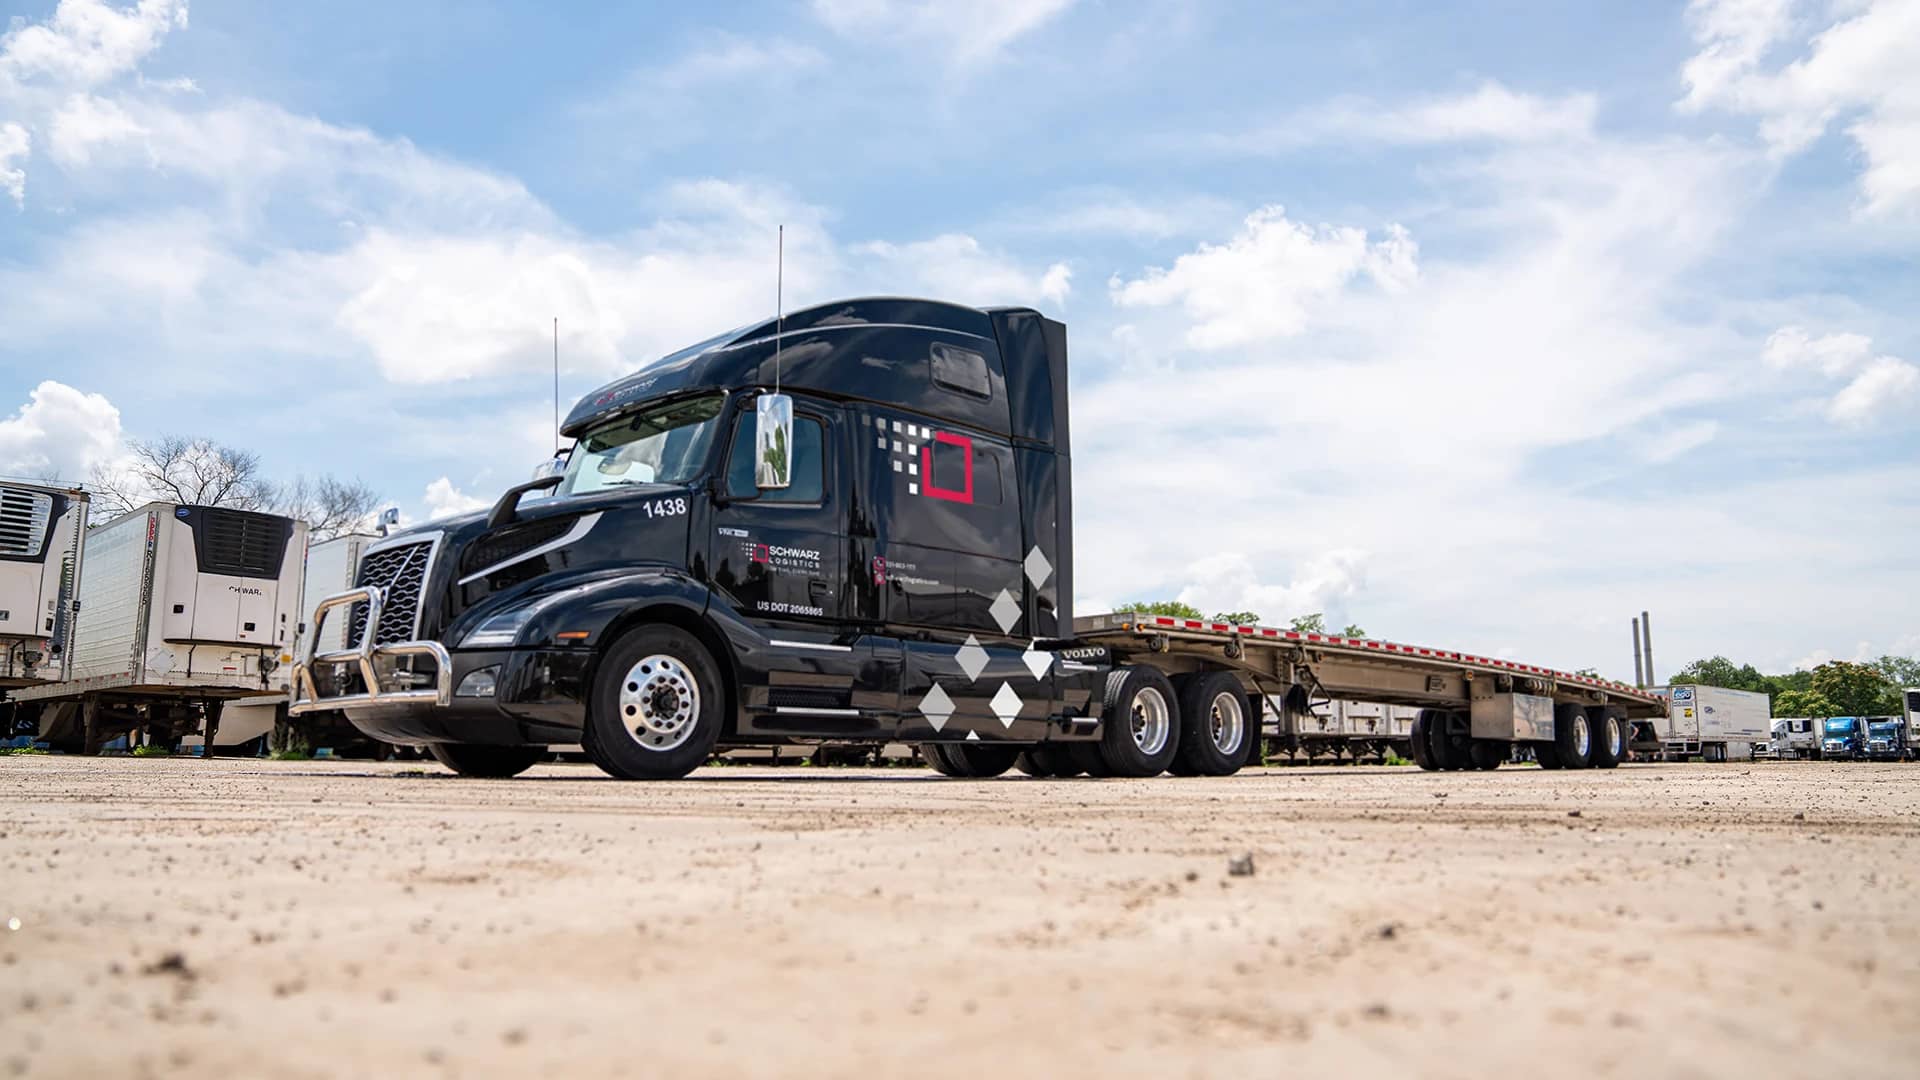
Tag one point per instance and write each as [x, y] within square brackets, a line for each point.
[1242, 866]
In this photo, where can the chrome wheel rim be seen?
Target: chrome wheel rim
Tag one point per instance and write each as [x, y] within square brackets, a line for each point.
[1151, 720]
[1582, 738]
[1227, 723]
[659, 703]
[1613, 736]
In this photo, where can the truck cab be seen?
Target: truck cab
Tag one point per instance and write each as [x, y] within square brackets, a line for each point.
[1886, 738]
[851, 523]
[1843, 737]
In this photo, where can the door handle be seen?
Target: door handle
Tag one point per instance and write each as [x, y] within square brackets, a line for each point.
[819, 590]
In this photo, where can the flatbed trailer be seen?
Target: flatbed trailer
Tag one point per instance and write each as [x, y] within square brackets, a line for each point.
[1472, 707]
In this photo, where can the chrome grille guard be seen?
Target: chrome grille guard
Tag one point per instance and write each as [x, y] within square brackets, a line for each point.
[306, 693]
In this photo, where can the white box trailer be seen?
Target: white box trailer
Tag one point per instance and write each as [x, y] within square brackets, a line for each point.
[43, 530]
[1796, 737]
[180, 608]
[1714, 723]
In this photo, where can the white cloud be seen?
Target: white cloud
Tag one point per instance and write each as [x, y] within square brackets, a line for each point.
[84, 122]
[87, 42]
[1884, 386]
[60, 433]
[1673, 441]
[1833, 355]
[1229, 582]
[970, 33]
[956, 267]
[15, 145]
[1490, 113]
[1858, 70]
[1267, 281]
[442, 499]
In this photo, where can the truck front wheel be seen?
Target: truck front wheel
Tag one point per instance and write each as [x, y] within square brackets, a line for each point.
[657, 706]
[1141, 722]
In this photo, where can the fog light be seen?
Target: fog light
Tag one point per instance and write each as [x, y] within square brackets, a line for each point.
[478, 683]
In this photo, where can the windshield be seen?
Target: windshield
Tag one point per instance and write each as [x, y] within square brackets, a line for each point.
[665, 444]
[1839, 727]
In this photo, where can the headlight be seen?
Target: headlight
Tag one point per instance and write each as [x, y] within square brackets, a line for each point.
[500, 631]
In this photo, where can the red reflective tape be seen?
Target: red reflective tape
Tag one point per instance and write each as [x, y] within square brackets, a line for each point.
[1269, 631]
[1246, 629]
[1375, 644]
[1293, 635]
[1163, 621]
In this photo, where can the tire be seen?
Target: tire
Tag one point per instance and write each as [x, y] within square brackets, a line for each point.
[971, 761]
[1573, 736]
[1609, 740]
[1487, 754]
[935, 756]
[663, 682]
[1141, 723]
[1087, 758]
[1055, 760]
[1441, 746]
[1418, 745]
[1214, 725]
[1029, 765]
[487, 762]
[1547, 756]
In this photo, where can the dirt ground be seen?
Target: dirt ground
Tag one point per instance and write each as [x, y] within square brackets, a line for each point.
[252, 918]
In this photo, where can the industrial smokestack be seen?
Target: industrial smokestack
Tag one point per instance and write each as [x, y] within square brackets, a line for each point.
[1639, 673]
[1646, 646]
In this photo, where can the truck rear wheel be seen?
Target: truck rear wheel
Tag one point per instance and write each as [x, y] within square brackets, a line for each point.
[969, 761]
[1087, 758]
[1047, 761]
[1141, 723]
[1419, 747]
[1214, 729]
[1609, 741]
[657, 706]
[487, 762]
[1572, 736]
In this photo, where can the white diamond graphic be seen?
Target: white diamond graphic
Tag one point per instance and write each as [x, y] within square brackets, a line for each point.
[1038, 568]
[936, 707]
[1006, 705]
[1005, 611]
[973, 659]
[1037, 662]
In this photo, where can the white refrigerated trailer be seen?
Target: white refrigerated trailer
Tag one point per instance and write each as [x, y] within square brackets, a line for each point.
[43, 530]
[1713, 723]
[180, 609]
[1470, 710]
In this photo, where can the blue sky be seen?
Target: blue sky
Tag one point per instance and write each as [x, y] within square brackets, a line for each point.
[1485, 325]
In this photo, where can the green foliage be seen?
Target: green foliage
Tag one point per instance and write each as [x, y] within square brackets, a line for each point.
[1719, 671]
[1591, 673]
[299, 754]
[1802, 703]
[152, 751]
[1173, 609]
[1315, 623]
[1353, 630]
[1238, 618]
[23, 751]
[1854, 689]
[1395, 759]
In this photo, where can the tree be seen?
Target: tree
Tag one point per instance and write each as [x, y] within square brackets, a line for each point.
[330, 507]
[1852, 689]
[1170, 608]
[1803, 703]
[1238, 618]
[1353, 630]
[1719, 671]
[1315, 623]
[198, 472]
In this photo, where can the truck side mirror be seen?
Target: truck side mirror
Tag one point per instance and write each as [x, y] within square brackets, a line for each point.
[772, 441]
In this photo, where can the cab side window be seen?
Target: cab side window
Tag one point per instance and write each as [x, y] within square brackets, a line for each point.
[809, 466]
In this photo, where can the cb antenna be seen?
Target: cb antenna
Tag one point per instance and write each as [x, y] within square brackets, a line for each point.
[556, 386]
[779, 301]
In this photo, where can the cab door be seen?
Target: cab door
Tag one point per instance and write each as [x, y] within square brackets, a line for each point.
[780, 563]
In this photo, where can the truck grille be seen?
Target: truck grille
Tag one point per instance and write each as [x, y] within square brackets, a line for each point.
[240, 543]
[24, 519]
[402, 571]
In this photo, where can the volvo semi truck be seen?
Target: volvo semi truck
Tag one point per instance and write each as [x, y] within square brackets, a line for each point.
[854, 523]
[180, 610]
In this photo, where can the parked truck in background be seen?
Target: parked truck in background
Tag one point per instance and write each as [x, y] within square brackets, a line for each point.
[1714, 723]
[879, 550]
[43, 533]
[1796, 737]
[1887, 738]
[1843, 738]
[180, 610]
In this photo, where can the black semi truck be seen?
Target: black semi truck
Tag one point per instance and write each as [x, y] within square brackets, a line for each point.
[853, 523]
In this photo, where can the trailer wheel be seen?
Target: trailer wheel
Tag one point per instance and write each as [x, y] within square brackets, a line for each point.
[1046, 761]
[1546, 755]
[1572, 736]
[1087, 758]
[970, 761]
[1609, 743]
[935, 756]
[1418, 745]
[1141, 728]
[487, 762]
[1487, 753]
[1214, 728]
[1446, 753]
[657, 706]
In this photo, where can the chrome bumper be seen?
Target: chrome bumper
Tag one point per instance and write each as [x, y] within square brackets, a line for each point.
[306, 694]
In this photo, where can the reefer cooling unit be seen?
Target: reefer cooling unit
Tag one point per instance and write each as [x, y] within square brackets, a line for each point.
[42, 530]
[190, 596]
